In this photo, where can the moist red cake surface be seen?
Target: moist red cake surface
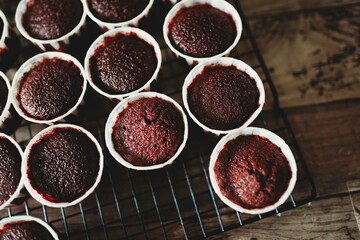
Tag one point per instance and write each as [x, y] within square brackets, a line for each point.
[252, 172]
[51, 19]
[148, 132]
[202, 31]
[29, 230]
[124, 64]
[10, 169]
[63, 165]
[50, 89]
[116, 10]
[3, 94]
[223, 97]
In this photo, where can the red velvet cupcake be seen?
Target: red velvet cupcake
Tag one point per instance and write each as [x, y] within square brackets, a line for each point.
[62, 165]
[51, 19]
[223, 95]
[26, 227]
[252, 170]
[146, 131]
[48, 87]
[200, 30]
[117, 10]
[50, 24]
[122, 62]
[10, 171]
[111, 14]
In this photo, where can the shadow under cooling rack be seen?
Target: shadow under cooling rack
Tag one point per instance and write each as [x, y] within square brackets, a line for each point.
[173, 203]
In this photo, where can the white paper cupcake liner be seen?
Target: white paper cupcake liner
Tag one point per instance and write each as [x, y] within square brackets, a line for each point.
[224, 61]
[272, 137]
[57, 44]
[26, 67]
[112, 121]
[134, 22]
[18, 196]
[6, 115]
[219, 4]
[5, 32]
[25, 218]
[24, 167]
[100, 42]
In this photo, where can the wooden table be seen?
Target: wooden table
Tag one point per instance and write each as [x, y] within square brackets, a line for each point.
[313, 53]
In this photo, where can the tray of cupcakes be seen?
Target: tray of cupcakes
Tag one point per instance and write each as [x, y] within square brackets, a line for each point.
[139, 119]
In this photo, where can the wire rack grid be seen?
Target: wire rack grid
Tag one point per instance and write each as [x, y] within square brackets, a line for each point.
[172, 203]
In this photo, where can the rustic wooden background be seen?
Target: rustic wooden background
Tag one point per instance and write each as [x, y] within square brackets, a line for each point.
[312, 51]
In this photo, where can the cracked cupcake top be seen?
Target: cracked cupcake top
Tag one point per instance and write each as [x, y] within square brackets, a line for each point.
[252, 171]
[148, 131]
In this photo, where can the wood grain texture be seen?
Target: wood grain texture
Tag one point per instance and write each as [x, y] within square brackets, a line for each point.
[330, 218]
[329, 138]
[313, 57]
[260, 8]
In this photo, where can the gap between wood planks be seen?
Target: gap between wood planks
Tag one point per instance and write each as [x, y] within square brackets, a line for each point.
[354, 190]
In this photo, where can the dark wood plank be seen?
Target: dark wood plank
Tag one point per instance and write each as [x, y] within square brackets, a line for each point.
[260, 8]
[329, 138]
[313, 57]
[331, 218]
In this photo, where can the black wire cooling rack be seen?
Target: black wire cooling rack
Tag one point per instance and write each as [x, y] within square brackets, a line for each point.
[173, 203]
